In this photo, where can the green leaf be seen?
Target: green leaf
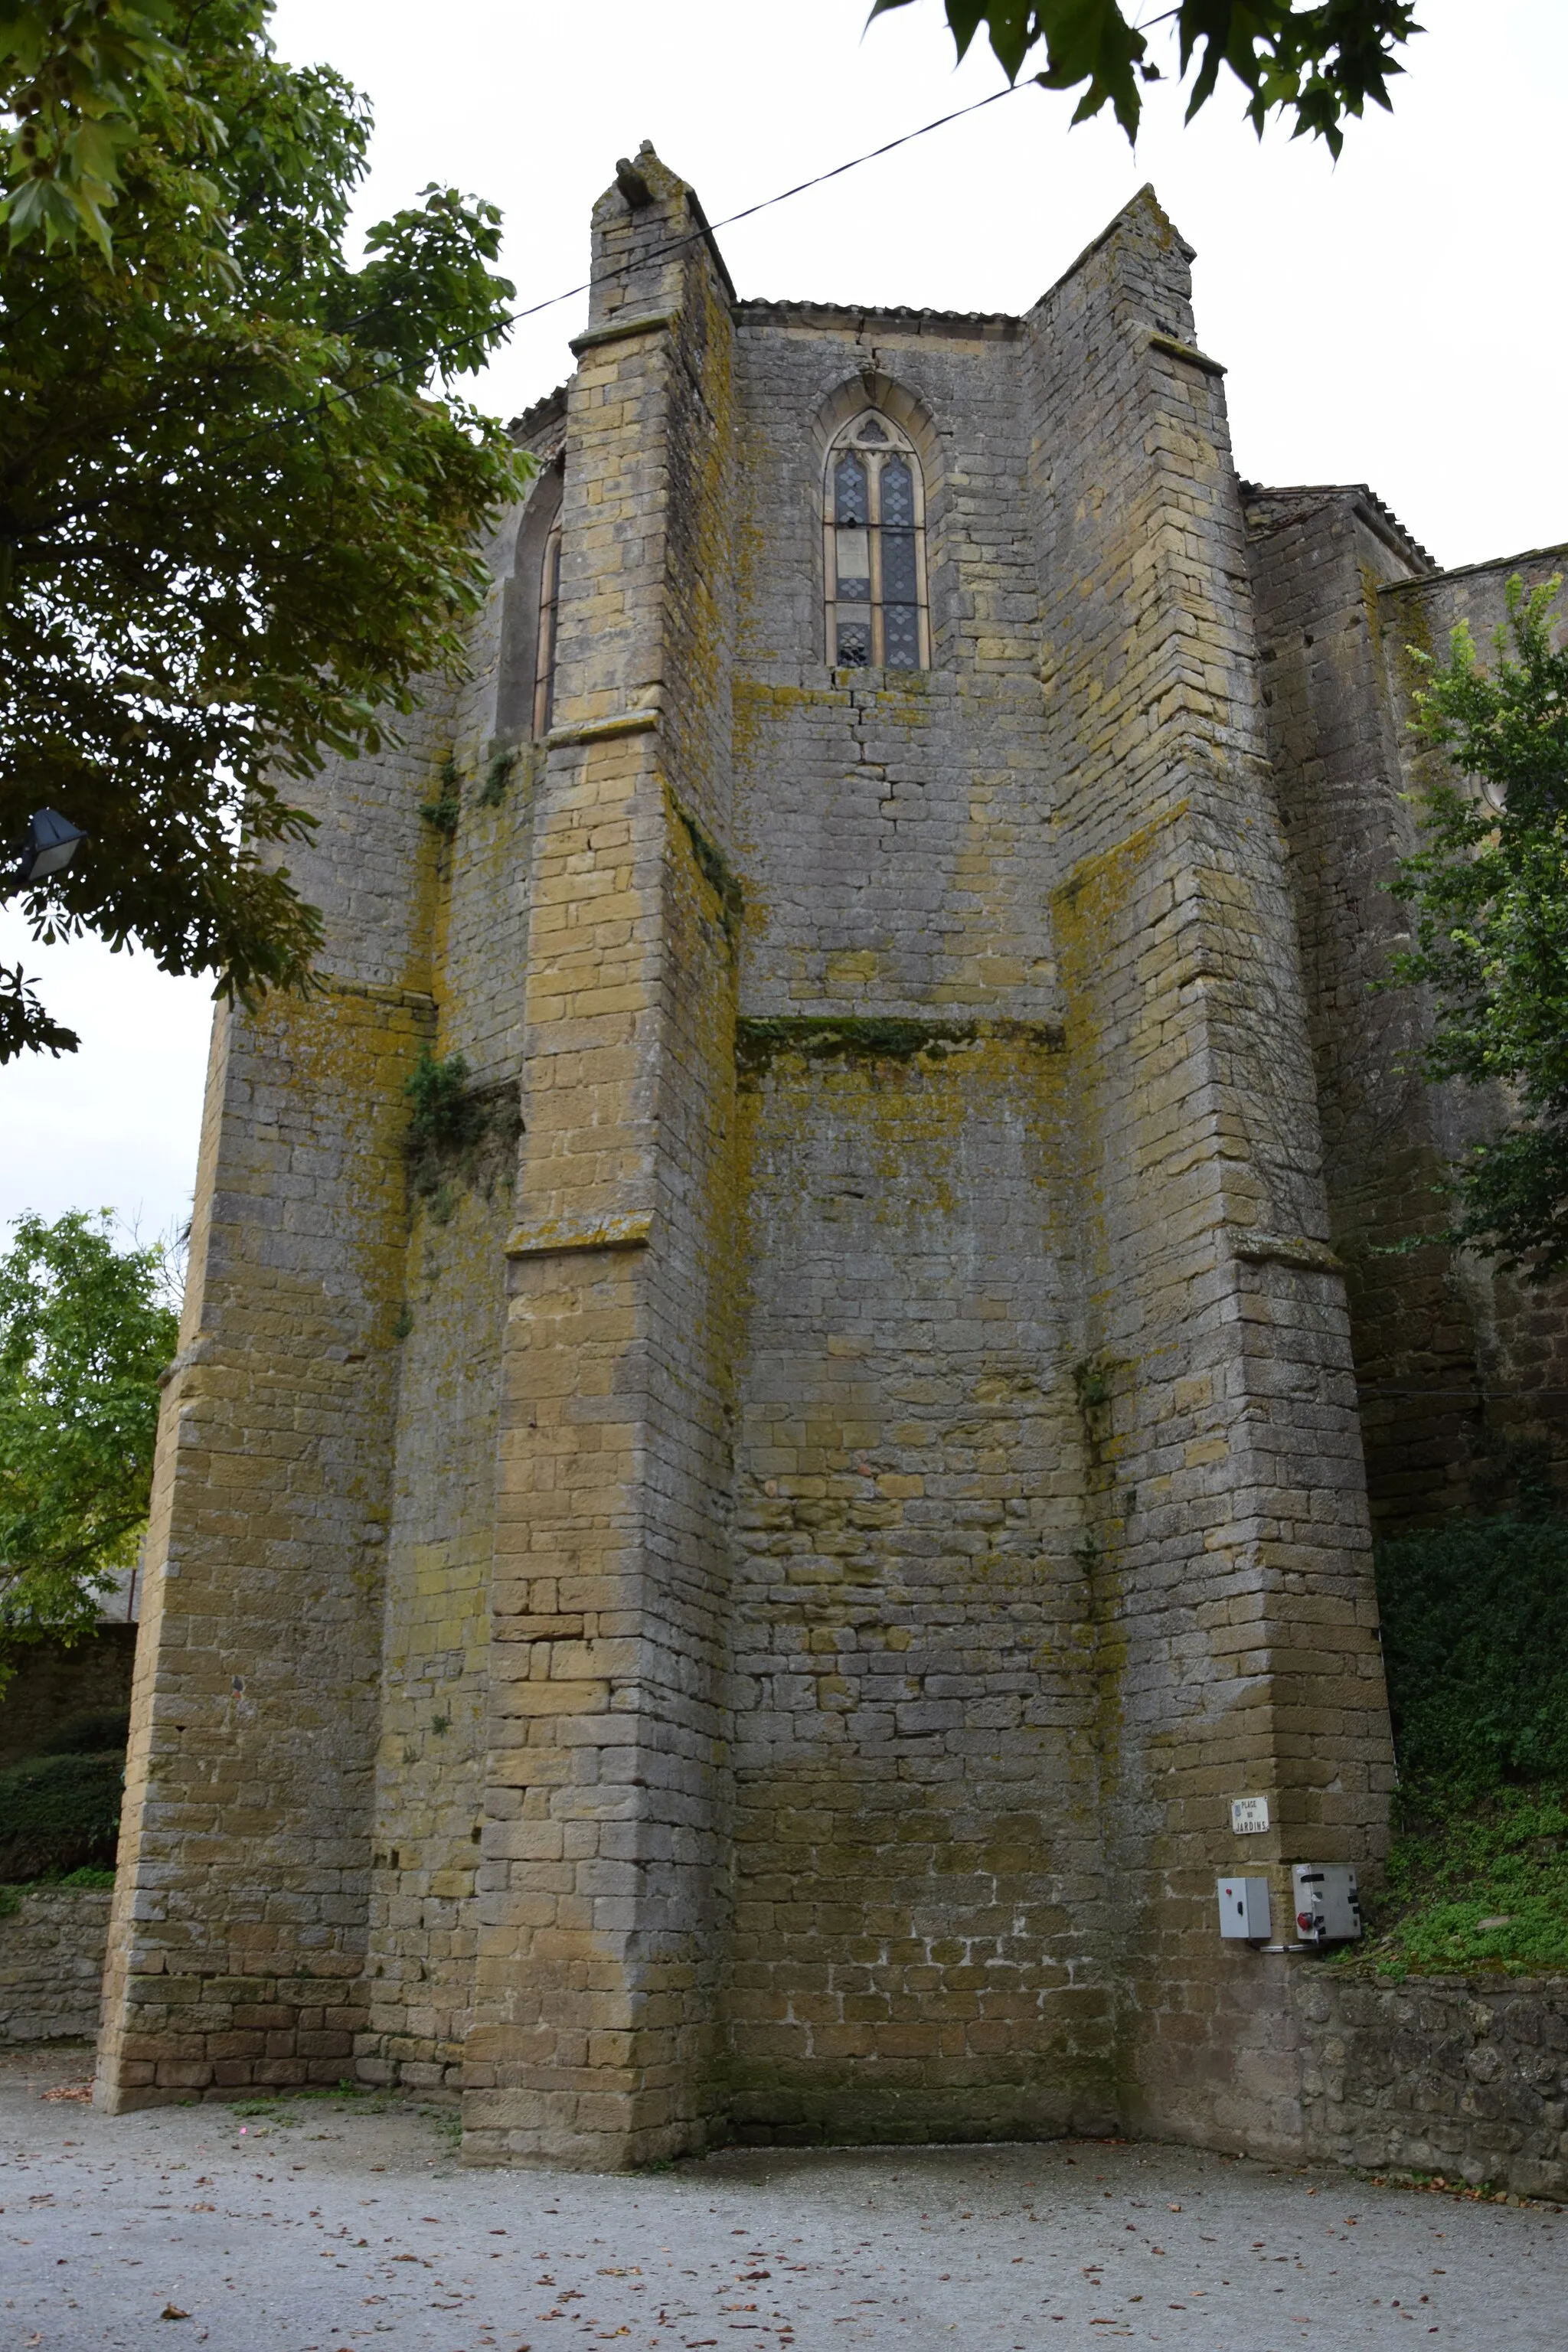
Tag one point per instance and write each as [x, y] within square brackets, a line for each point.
[1318, 63]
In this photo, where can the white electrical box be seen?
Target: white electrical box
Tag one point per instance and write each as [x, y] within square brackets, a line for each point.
[1328, 1907]
[1244, 1910]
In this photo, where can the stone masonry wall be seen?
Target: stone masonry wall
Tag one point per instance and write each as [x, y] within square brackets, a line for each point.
[918, 1944]
[1317, 560]
[241, 1908]
[1452, 1360]
[1460, 2076]
[742, 1608]
[51, 1962]
[435, 1673]
[600, 1879]
[1228, 1518]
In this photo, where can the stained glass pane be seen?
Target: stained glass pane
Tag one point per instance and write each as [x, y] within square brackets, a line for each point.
[898, 495]
[858, 635]
[854, 565]
[901, 635]
[898, 567]
[850, 491]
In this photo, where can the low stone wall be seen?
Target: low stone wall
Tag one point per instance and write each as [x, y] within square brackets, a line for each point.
[1462, 2076]
[51, 1962]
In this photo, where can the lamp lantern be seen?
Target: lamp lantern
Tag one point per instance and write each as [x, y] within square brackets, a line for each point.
[50, 846]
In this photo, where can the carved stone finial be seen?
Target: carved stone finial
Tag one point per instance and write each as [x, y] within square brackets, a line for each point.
[631, 184]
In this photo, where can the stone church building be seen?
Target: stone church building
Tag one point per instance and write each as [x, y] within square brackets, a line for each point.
[719, 1577]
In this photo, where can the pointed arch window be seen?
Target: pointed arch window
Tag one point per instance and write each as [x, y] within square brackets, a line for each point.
[525, 677]
[544, 642]
[874, 533]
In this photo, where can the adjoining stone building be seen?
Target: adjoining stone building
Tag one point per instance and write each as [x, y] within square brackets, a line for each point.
[731, 1597]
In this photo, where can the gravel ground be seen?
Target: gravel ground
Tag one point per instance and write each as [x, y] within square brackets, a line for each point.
[347, 2225]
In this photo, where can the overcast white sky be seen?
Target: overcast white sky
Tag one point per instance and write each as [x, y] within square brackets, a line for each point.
[1398, 319]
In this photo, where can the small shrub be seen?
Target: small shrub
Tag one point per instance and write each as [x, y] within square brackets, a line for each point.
[498, 776]
[444, 1115]
[450, 1126]
[58, 1814]
[442, 814]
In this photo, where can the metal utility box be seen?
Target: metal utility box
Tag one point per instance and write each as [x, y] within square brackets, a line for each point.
[1328, 1907]
[1244, 1910]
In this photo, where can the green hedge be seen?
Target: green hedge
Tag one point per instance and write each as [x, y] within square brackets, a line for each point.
[1475, 1632]
[59, 1814]
[89, 1734]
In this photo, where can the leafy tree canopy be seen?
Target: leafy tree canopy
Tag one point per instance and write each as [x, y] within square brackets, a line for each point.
[85, 1330]
[1489, 894]
[235, 529]
[1319, 63]
[78, 80]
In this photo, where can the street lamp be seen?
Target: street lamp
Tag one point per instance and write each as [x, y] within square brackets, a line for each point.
[49, 847]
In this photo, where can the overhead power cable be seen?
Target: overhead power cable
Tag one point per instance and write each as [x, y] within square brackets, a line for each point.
[1465, 1396]
[552, 301]
[750, 212]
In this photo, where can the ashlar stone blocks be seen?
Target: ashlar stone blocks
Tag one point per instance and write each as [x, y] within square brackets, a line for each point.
[737, 1608]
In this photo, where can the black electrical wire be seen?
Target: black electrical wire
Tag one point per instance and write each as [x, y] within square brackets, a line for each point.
[749, 212]
[1465, 1396]
[552, 301]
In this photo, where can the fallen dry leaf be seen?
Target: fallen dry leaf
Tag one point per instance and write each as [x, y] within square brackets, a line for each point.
[172, 2311]
[80, 2094]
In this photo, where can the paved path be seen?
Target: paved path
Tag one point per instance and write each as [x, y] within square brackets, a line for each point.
[346, 2229]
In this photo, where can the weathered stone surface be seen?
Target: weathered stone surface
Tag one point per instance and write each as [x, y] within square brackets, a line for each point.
[1457, 2075]
[51, 1963]
[1456, 1365]
[746, 1614]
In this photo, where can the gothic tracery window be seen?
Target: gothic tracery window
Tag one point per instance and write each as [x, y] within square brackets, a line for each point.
[874, 532]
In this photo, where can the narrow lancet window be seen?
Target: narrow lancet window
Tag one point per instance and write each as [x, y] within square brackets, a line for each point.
[544, 655]
[874, 516]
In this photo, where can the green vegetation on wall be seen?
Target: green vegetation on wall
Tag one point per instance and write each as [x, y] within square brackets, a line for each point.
[1475, 1619]
[444, 814]
[458, 1134]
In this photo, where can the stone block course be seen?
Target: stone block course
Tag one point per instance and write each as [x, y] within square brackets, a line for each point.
[52, 1945]
[1463, 2076]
